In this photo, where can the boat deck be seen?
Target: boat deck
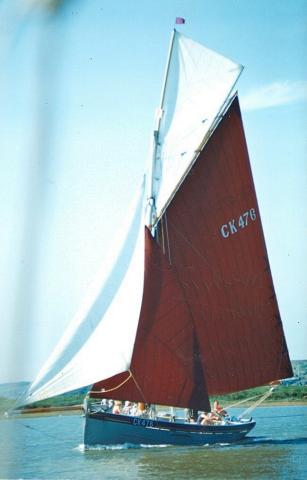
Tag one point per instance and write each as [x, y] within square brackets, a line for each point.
[106, 428]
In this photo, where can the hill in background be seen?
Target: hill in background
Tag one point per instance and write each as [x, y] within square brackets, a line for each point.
[292, 389]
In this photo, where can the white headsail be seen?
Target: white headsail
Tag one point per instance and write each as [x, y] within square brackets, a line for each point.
[198, 82]
[108, 318]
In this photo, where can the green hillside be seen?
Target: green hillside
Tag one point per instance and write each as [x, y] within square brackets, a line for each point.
[292, 390]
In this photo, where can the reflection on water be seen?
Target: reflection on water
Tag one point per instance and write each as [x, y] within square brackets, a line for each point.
[255, 458]
[264, 440]
[216, 462]
[52, 449]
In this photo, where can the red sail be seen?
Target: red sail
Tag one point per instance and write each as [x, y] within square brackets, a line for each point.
[209, 320]
[165, 367]
[213, 236]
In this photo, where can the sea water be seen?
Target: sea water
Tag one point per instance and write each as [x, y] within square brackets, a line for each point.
[50, 447]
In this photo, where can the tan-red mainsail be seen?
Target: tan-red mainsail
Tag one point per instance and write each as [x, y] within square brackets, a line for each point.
[209, 322]
[216, 244]
[165, 367]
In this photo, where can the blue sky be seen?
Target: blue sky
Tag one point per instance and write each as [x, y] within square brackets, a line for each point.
[78, 95]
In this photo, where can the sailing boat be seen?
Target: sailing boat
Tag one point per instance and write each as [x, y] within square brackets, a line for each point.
[186, 307]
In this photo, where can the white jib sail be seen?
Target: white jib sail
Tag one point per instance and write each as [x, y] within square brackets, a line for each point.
[99, 341]
[198, 83]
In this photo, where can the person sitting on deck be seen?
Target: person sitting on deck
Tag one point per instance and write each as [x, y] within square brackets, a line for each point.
[117, 407]
[218, 410]
[141, 408]
[209, 418]
[127, 408]
[106, 405]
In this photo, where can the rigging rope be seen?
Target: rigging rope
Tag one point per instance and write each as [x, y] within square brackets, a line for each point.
[103, 390]
[254, 405]
[120, 385]
[243, 401]
[162, 234]
[138, 387]
[167, 238]
[38, 430]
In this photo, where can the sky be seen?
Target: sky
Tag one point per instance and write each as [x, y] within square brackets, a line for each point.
[79, 86]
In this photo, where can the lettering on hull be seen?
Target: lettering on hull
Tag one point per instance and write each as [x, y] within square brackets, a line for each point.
[143, 422]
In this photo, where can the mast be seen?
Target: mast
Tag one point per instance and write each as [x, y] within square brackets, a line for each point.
[152, 169]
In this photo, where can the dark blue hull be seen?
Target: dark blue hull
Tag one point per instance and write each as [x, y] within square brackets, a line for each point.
[111, 429]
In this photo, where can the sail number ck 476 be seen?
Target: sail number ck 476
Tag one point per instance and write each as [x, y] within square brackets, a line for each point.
[237, 224]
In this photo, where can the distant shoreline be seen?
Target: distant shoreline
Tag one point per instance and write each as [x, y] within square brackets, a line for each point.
[44, 411]
[78, 409]
[66, 408]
